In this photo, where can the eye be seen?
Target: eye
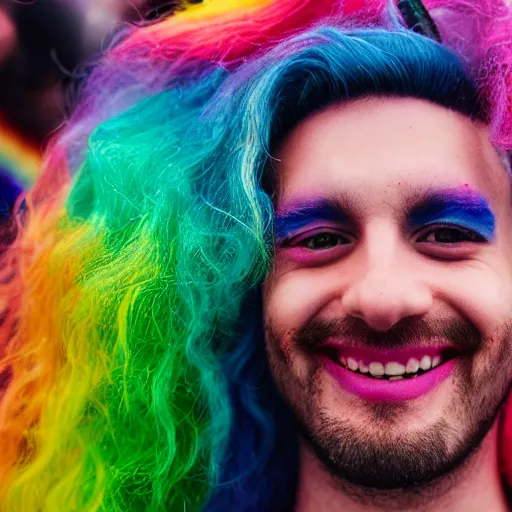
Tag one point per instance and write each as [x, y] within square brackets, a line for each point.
[451, 235]
[322, 241]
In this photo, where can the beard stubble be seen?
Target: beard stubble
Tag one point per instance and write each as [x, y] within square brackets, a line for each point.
[377, 457]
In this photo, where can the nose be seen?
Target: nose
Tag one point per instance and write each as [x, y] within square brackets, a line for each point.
[385, 289]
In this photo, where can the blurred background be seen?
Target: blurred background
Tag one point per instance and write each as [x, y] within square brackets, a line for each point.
[43, 44]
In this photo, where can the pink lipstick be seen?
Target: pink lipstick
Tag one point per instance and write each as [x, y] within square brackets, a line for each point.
[388, 375]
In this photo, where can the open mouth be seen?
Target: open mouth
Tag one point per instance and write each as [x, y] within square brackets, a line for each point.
[389, 374]
[390, 364]
[394, 370]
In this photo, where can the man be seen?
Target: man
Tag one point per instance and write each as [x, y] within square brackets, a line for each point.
[277, 281]
[412, 366]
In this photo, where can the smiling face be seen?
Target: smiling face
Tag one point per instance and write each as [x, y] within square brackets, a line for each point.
[389, 307]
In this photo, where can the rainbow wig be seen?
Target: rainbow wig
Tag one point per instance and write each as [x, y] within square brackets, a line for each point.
[133, 374]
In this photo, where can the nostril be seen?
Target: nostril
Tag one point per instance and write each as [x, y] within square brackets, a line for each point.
[385, 296]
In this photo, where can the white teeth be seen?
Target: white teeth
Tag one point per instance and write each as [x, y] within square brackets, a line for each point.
[413, 365]
[352, 364]
[376, 369]
[394, 369]
[425, 363]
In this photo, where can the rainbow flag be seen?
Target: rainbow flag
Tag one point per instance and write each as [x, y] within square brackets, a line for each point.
[19, 165]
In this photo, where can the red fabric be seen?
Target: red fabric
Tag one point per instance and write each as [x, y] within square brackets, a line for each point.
[506, 442]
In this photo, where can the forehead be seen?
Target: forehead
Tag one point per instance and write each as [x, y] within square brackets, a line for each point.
[380, 149]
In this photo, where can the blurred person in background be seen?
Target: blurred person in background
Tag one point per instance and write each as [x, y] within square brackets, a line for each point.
[47, 46]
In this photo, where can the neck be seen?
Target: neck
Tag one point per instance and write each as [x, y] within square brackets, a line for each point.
[474, 487]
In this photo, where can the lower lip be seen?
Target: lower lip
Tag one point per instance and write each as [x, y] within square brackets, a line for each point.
[382, 390]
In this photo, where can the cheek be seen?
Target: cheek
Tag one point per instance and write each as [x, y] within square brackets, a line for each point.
[482, 295]
[485, 298]
[292, 299]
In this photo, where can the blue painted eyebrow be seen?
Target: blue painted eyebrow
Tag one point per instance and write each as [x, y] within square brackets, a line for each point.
[293, 218]
[462, 207]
